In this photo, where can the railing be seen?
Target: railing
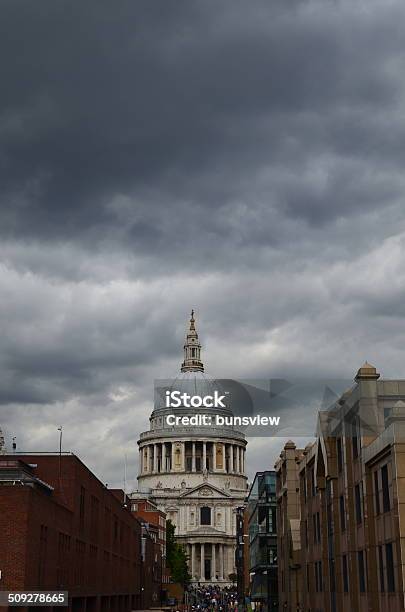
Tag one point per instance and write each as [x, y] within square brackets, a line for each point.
[196, 431]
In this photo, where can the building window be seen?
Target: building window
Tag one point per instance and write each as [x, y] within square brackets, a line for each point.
[339, 454]
[376, 494]
[362, 571]
[318, 527]
[205, 515]
[94, 513]
[357, 494]
[274, 519]
[318, 577]
[313, 482]
[389, 557]
[43, 540]
[385, 488]
[316, 524]
[314, 528]
[381, 568]
[342, 513]
[308, 483]
[304, 487]
[345, 574]
[355, 442]
[82, 506]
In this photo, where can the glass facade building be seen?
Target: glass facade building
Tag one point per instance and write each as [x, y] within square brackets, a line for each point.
[262, 512]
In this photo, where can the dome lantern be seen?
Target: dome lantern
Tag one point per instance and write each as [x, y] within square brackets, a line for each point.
[192, 350]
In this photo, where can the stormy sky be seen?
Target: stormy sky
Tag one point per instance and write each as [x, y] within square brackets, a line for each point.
[242, 158]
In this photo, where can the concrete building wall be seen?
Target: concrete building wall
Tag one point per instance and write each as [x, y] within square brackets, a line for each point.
[351, 487]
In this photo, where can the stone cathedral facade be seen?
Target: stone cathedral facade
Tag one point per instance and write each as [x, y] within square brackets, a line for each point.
[196, 474]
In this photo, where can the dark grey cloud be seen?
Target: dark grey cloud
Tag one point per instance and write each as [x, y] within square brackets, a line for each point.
[244, 159]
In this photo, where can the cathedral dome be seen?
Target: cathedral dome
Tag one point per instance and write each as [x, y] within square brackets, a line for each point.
[195, 471]
[192, 379]
[196, 383]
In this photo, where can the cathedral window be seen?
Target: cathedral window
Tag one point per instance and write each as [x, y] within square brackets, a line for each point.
[205, 515]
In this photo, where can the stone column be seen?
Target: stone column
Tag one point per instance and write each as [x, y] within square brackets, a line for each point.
[213, 563]
[230, 560]
[221, 562]
[202, 564]
[231, 459]
[172, 468]
[155, 458]
[237, 460]
[163, 464]
[192, 570]
[214, 457]
[193, 458]
[140, 461]
[148, 458]
[204, 465]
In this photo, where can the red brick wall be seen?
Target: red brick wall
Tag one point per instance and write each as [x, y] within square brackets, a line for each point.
[79, 538]
[13, 536]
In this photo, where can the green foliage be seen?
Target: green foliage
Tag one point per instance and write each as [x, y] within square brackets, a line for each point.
[176, 557]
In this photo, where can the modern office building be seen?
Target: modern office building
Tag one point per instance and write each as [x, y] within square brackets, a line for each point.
[341, 505]
[262, 529]
[242, 554]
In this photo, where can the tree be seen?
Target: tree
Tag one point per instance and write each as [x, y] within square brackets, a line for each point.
[176, 557]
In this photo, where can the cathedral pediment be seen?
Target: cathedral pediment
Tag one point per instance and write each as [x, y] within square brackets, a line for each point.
[205, 530]
[205, 490]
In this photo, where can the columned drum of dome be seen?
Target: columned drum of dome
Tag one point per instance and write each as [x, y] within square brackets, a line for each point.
[196, 474]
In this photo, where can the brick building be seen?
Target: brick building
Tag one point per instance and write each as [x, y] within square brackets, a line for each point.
[288, 528]
[156, 574]
[341, 505]
[62, 529]
[147, 511]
